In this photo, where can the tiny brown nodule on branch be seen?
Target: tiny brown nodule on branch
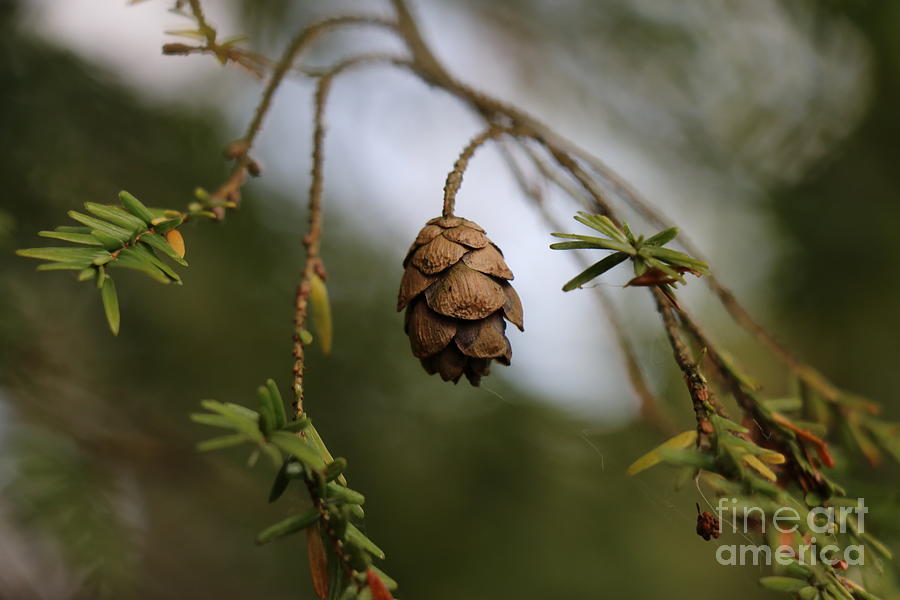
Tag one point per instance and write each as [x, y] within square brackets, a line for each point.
[457, 294]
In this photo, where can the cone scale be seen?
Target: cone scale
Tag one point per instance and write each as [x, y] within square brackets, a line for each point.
[458, 298]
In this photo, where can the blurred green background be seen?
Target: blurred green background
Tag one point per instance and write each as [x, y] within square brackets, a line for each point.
[500, 494]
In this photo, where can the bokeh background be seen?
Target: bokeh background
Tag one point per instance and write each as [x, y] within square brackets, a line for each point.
[768, 129]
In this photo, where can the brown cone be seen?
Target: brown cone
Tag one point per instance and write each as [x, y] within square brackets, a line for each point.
[458, 298]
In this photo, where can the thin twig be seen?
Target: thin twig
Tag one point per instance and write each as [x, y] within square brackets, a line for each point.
[737, 310]
[315, 268]
[737, 384]
[601, 204]
[300, 43]
[254, 64]
[743, 392]
[650, 408]
[229, 191]
[313, 238]
[205, 27]
[553, 175]
[454, 178]
[701, 395]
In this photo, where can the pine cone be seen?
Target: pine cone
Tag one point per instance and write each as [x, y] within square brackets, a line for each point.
[456, 293]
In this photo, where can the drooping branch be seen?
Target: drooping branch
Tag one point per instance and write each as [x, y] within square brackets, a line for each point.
[312, 240]
[650, 408]
[735, 308]
[228, 193]
[334, 527]
[701, 395]
[595, 179]
[427, 66]
[568, 155]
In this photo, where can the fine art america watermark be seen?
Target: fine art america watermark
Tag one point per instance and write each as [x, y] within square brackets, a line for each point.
[825, 522]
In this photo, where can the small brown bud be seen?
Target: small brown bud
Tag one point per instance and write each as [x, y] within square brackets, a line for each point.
[707, 525]
[237, 148]
[253, 168]
[650, 277]
[176, 49]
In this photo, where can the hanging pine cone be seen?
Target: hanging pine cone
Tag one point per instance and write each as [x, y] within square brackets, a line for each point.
[456, 293]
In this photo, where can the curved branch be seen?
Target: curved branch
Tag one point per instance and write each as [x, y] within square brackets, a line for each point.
[239, 150]
[650, 408]
[568, 154]
[454, 178]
